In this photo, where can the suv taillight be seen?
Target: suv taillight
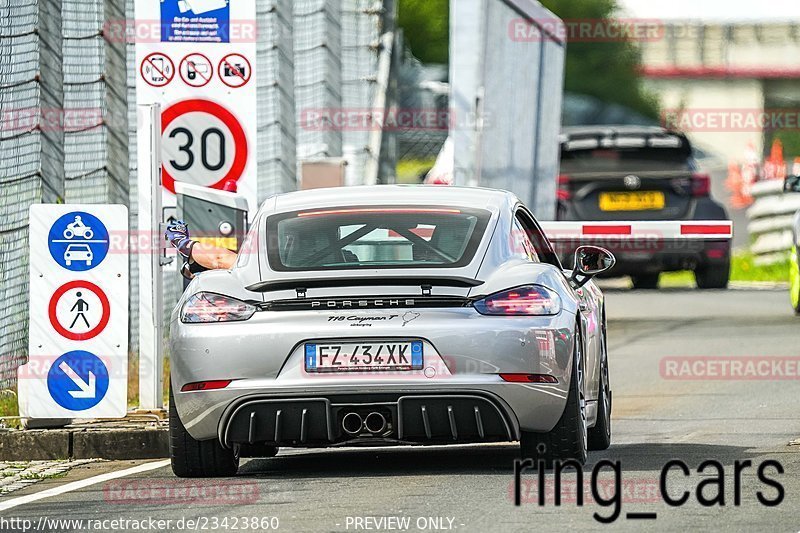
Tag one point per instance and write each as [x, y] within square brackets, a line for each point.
[563, 192]
[701, 185]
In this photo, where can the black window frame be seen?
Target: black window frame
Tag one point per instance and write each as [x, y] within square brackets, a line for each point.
[544, 249]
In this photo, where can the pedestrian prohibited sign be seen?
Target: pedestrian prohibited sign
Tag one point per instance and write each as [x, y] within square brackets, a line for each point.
[78, 380]
[78, 337]
[79, 310]
[202, 143]
[78, 241]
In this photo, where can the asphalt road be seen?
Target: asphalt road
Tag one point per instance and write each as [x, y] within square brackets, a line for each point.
[656, 418]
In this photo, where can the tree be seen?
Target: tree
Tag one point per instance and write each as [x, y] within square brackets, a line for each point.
[426, 26]
[608, 71]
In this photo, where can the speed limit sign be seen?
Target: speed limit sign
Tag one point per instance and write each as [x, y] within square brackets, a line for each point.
[203, 143]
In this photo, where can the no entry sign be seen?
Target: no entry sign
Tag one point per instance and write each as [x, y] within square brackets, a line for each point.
[78, 339]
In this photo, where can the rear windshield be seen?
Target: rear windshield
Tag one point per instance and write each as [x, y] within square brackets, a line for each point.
[374, 237]
[624, 160]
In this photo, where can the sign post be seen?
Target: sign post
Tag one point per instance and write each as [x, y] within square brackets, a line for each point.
[78, 339]
[151, 281]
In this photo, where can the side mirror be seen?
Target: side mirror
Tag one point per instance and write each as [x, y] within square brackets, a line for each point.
[792, 184]
[589, 262]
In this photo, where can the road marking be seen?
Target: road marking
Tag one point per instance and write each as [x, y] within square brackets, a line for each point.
[75, 485]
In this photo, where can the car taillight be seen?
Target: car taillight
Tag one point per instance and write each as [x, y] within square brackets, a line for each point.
[563, 192]
[206, 385]
[209, 307]
[531, 300]
[701, 185]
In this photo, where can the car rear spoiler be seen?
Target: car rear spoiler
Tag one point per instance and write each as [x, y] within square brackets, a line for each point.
[301, 284]
[639, 229]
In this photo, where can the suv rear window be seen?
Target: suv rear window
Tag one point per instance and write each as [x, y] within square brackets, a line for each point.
[624, 160]
[372, 237]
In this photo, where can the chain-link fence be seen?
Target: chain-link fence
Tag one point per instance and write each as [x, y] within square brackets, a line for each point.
[20, 171]
[317, 74]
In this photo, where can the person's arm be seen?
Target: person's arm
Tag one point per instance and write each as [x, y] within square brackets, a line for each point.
[205, 255]
[212, 257]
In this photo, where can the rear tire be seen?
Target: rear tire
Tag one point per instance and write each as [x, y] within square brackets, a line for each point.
[600, 434]
[568, 439]
[713, 276]
[645, 281]
[197, 458]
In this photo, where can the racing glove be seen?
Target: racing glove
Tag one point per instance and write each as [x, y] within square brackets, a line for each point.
[178, 235]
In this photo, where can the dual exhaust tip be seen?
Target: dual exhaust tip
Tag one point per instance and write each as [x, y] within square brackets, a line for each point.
[354, 424]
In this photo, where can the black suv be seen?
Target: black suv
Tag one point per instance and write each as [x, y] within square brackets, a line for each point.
[632, 173]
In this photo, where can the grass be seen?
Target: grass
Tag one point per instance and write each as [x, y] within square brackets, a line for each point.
[743, 268]
[40, 477]
[9, 407]
[133, 379]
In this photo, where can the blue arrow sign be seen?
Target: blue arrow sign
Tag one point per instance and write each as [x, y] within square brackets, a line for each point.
[78, 241]
[78, 380]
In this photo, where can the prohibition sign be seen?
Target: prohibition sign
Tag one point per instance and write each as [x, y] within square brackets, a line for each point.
[59, 327]
[160, 69]
[196, 70]
[227, 118]
[236, 68]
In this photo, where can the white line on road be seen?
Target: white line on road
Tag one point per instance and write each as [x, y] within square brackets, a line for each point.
[75, 485]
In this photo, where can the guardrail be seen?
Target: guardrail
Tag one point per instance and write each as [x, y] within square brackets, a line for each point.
[770, 221]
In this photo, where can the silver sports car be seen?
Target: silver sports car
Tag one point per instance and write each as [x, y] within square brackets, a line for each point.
[390, 315]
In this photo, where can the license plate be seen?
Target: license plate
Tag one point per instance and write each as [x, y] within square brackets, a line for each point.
[367, 356]
[632, 201]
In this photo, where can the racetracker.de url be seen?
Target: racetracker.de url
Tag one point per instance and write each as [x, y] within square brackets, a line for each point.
[196, 523]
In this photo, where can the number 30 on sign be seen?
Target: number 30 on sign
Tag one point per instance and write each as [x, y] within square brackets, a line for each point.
[202, 143]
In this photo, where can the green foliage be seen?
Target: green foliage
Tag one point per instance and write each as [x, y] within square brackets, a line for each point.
[606, 70]
[743, 268]
[426, 26]
[790, 140]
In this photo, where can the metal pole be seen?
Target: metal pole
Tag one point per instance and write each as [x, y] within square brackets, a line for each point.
[151, 305]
